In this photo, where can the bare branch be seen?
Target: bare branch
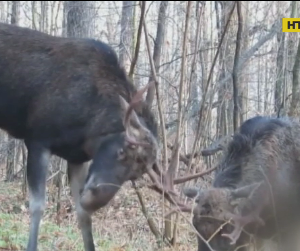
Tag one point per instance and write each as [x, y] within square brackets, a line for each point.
[138, 42]
[193, 176]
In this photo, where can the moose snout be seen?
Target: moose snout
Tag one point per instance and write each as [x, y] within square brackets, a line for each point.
[96, 195]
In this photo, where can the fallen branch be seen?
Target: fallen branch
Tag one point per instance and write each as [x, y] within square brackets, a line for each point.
[216, 147]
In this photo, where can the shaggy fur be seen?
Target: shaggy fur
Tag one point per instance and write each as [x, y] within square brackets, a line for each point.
[264, 151]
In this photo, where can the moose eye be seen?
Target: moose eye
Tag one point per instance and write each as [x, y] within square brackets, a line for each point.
[132, 146]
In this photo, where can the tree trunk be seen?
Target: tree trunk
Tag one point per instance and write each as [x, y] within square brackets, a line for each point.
[15, 12]
[296, 86]
[11, 147]
[279, 72]
[243, 94]
[280, 69]
[235, 80]
[160, 34]
[127, 33]
[80, 22]
[221, 118]
[44, 17]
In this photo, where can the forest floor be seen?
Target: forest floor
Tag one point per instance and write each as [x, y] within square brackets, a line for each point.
[120, 226]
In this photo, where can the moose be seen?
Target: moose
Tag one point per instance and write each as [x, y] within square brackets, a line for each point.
[255, 194]
[71, 98]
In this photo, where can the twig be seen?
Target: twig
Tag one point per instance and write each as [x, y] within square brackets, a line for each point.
[53, 175]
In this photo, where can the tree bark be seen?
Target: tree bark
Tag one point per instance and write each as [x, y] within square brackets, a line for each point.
[235, 70]
[296, 86]
[127, 34]
[160, 34]
[279, 72]
[79, 18]
[11, 147]
[221, 118]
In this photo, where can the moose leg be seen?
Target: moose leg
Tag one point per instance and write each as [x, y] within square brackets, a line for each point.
[77, 175]
[37, 164]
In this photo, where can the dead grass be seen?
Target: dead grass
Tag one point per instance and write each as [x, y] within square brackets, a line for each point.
[118, 227]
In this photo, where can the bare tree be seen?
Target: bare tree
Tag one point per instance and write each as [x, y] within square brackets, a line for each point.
[158, 43]
[127, 33]
[235, 81]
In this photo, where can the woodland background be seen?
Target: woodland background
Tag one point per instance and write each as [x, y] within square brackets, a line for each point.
[215, 63]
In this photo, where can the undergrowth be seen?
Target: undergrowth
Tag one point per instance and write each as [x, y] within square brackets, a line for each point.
[120, 226]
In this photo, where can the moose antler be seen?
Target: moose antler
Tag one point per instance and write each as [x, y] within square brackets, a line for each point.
[165, 187]
[240, 222]
[136, 99]
[255, 202]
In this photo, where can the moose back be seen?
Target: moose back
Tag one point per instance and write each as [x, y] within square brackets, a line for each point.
[70, 97]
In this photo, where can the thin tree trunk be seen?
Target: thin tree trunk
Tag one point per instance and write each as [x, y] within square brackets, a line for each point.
[235, 70]
[280, 72]
[173, 167]
[296, 86]
[243, 90]
[127, 33]
[11, 148]
[221, 118]
[160, 34]
[278, 95]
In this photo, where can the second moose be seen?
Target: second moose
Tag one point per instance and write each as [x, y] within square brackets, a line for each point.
[256, 185]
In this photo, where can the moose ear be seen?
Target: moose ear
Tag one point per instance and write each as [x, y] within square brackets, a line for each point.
[191, 192]
[245, 191]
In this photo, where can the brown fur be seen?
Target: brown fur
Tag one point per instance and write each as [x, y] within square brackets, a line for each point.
[70, 97]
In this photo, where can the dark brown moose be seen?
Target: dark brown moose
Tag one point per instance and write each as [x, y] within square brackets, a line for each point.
[70, 97]
[255, 192]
